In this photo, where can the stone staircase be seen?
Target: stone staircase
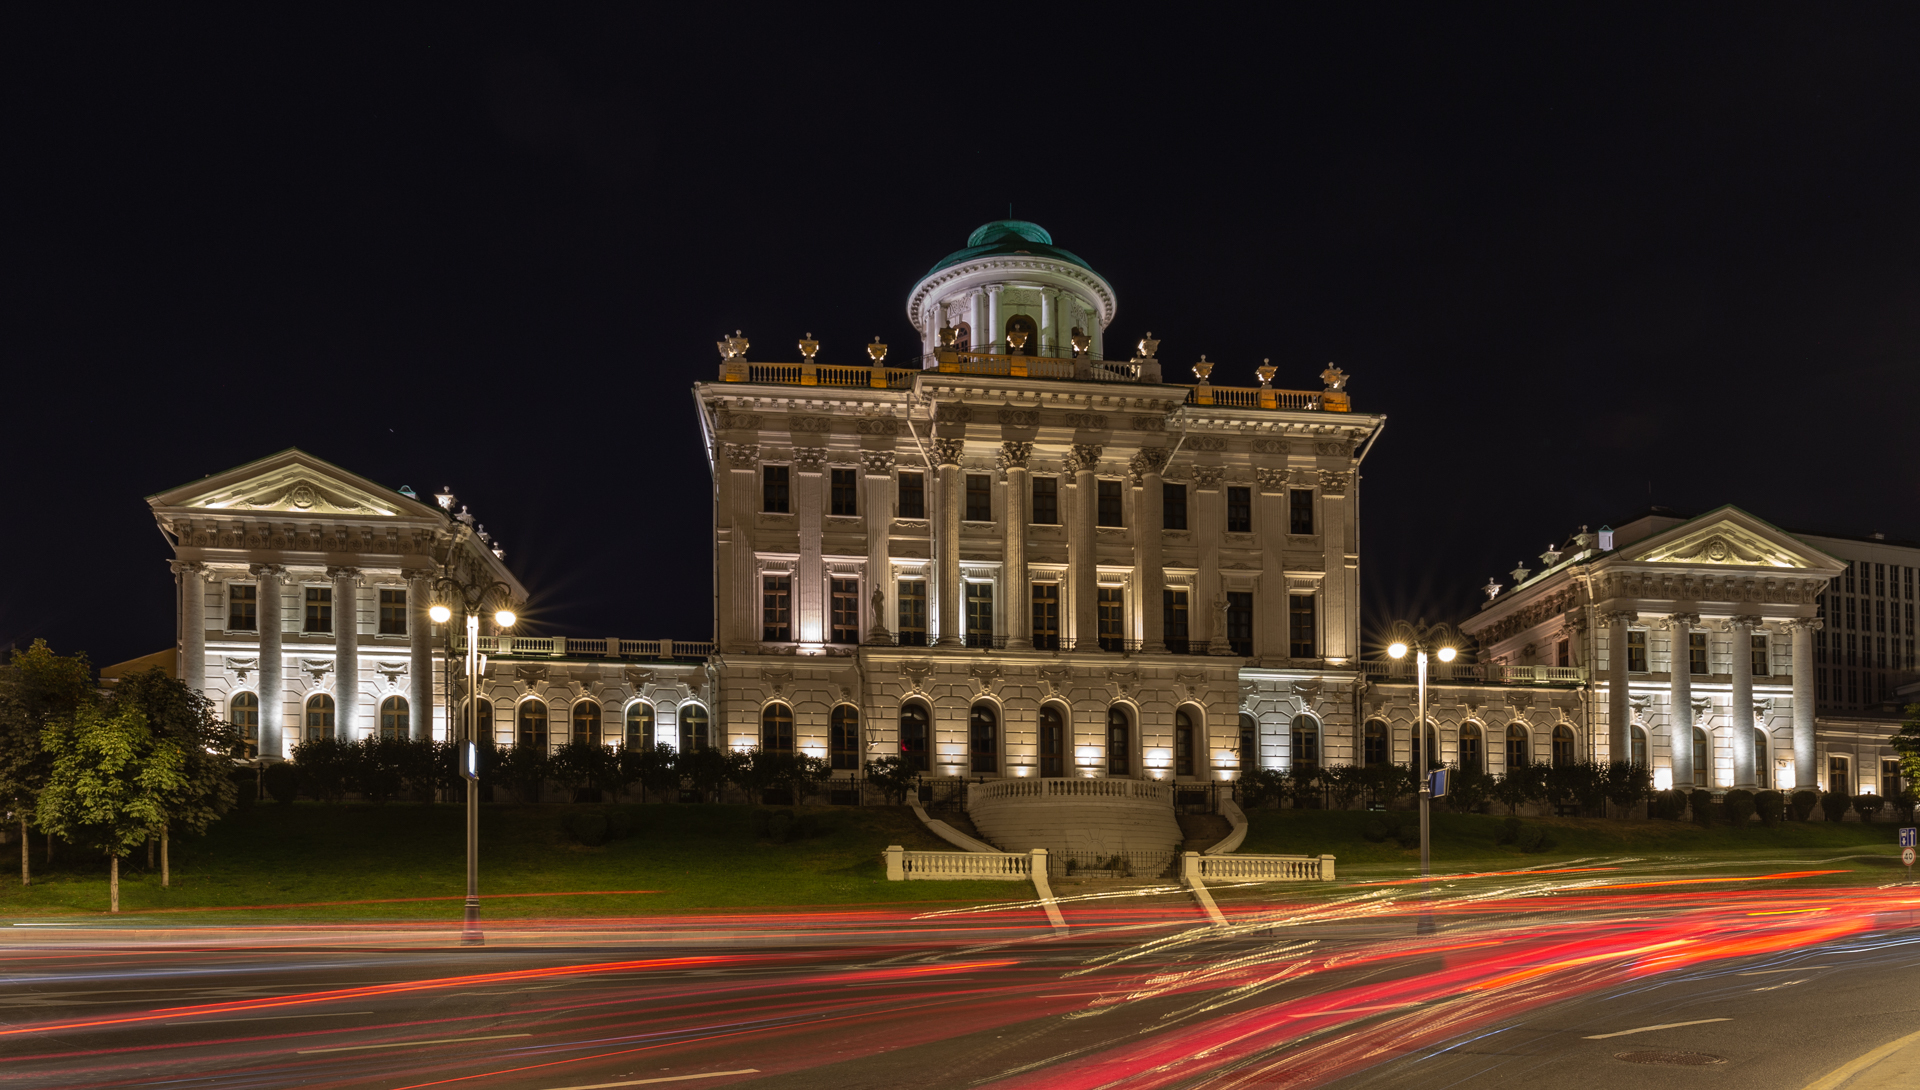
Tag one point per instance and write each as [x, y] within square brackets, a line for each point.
[957, 817]
[1198, 832]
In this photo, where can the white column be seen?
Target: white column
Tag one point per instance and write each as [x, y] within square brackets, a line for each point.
[995, 334]
[1149, 522]
[1049, 335]
[1619, 715]
[193, 622]
[1083, 561]
[346, 653]
[879, 606]
[1207, 514]
[1740, 630]
[946, 453]
[1680, 696]
[273, 686]
[1805, 771]
[420, 645]
[1272, 640]
[976, 318]
[1013, 457]
[809, 576]
[737, 628]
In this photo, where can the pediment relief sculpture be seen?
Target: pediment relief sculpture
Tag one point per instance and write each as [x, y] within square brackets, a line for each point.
[1730, 541]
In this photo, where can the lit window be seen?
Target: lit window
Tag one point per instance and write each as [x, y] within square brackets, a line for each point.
[776, 729]
[586, 723]
[1112, 618]
[319, 609]
[845, 493]
[1046, 616]
[319, 717]
[394, 718]
[912, 596]
[844, 745]
[979, 614]
[640, 726]
[846, 611]
[242, 600]
[393, 611]
[776, 609]
[693, 728]
[1636, 652]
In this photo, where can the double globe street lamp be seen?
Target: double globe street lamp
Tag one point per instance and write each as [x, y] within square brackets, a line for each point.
[1423, 640]
[472, 597]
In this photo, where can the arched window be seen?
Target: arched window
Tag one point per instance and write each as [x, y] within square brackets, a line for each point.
[1472, 759]
[1183, 763]
[319, 717]
[1053, 741]
[693, 728]
[776, 728]
[1516, 746]
[1426, 751]
[1563, 755]
[482, 726]
[1374, 744]
[1119, 742]
[1249, 743]
[844, 745]
[640, 725]
[1306, 742]
[963, 337]
[1638, 746]
[983, 728]
[533, 724]
[244, 711]
[393, 717]
[586, 723]
[913, 737]
[1762, 759]
[1702, 754]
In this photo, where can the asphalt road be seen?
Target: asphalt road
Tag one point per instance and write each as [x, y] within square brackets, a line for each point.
[1541, 979]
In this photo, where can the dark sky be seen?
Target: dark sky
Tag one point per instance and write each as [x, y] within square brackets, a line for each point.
[1584, 259]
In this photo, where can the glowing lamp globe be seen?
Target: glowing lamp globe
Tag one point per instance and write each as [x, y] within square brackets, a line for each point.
[440, 613]
[1447, 653]
[504, 618]
[1397, 650]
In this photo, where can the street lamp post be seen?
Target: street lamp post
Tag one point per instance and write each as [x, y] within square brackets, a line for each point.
[1423, 640]
[472, 598]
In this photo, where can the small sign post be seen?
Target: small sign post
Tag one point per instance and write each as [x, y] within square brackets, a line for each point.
[1909, 837]
[470, 761]
[1437, 782]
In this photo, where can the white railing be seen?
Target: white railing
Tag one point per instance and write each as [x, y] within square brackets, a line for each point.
[903, 865]
[1073, 788]
[609, 647]
[1258, 868]
[1486, 673]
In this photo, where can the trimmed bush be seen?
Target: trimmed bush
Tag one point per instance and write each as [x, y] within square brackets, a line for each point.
[1903, 807]
[1835, 806]
[1701, 801]
[1804, 800]
[1509, 831]
[283, 782]
[1376, 830]
[1868, 805]
[246, 789]
[1738, 806]
[1535, 838]
[1771, 806]
[589, 827]
[1670, 805]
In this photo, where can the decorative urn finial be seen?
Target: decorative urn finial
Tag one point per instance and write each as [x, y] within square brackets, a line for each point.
[1149, 348]
[1492, 588]
[1265, 371]
[1017, 341]
[1202, 369]
[732, 348]
[1082, 342]
[1335, 378]
[877, 351]
[809, 347]
[1520, 573]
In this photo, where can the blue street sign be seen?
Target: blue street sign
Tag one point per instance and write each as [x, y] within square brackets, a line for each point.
[1910, 837]
[470, 761]
[1437, 782]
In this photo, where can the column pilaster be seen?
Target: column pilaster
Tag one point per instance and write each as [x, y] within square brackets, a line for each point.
[877, 465]
[1083, 562]
[1805, 771]
[1049, 323]
[1619, 715]
[995, 333]
[1152, 574]
[809, 577]
[1209, 518]
[273, 685]
[193, 622]
[1013, 460]
[739, 623]
[420, 700]
[1271, 640]
[1680, 697]
[346, 652]
[946, 453]
[1740, 630]
[976, 318]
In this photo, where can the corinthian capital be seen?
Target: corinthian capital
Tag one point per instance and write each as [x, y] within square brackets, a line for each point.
[1677, 621]
[946, 452]
[876, 463]
[1083, 458]
[189, 567]
[1807, 624]
[1619, 617]
[743, 455]
[1150, 460]
[1014, 455]
[268, 572]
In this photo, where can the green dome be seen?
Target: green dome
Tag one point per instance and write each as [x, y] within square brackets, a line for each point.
[1009, 237]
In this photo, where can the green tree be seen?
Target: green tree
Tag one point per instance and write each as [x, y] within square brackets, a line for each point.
[652, 767]
[1906, 742]
[36, 687]
[586, 770]
[892, 776]
[1626, 782]
[110, 783]
[208, 746]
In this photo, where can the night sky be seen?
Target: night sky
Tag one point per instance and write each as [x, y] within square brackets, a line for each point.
[1584, 260]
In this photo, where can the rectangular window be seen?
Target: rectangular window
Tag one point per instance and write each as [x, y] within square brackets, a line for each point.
[1822, 678]
[776, 608]
[1636, 652]
[773, 489]
[242, 601]
[1760, 657]
[1880, 652]
[845, 495]
[1046, 616]
[913, 612]
[319, 610]
[1850, 623]
[1301, 627]
[1820, 648]
[393, 612]
[1853, 687]
[1173, 620]
[846, 611]
[1890, 782]
[1696, 653]
[1240, 622]
[1046, 501]
[1564, 653]
[1880, 580]
[913, 495]
[1173, 506]
[979, 497]
[1112, 614]
[1300, 511]
[1109, 510]
[1853, 657]
[1239, 510]
[1848, 577]
[1879, 616]
[979, 614]
[1838, 781]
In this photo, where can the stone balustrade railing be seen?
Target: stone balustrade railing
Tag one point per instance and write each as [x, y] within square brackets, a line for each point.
[588, 647]
[1071, 788]
[1258, 868]
[1485, 673]
[906, 866]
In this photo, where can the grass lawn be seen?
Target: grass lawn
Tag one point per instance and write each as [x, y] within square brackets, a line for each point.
[696, 857]
[1471, 840]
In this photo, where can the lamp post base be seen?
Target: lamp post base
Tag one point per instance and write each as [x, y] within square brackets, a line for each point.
[470, 930]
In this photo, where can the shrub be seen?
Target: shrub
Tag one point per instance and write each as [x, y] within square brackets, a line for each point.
[649, 766]
[1701, 801]
[283, 782]
[246, 788]
[1834, 805]
[587, 771]
[1468, 789]
[1509, 831]
[1344, 784]
[1626, 783]
[1535, 838]
[1868, 805]
[525, 769]
[1803, 802]
[892, 776]
[1376, 830]
[1408, 835]
[327, 767]
[1670, 805]
[1739, 807]
[1903, 807]
[589, 827]
[1261, 786]
[1771, 806]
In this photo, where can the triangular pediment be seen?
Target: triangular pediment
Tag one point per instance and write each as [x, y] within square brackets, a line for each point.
[295, 483]
[1729, 537]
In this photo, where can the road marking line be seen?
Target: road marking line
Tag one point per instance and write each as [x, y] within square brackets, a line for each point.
[1782, 984]
[409, 1044]
[1795, 969]
[1663, 1025]
[650, 1082]
[1860, 1063]
[269, 1018]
